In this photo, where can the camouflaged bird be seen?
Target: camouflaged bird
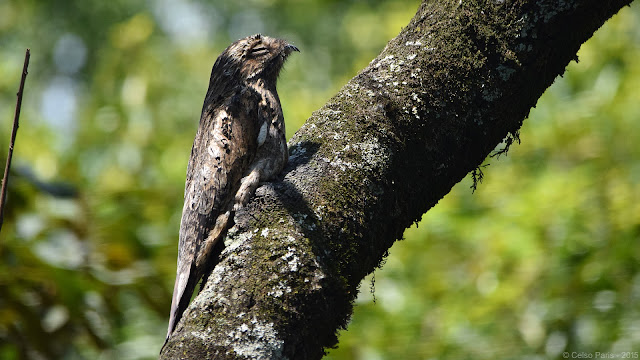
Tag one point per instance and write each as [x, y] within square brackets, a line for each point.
[240, 142]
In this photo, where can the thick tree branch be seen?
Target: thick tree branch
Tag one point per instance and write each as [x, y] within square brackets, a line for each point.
[458, 80]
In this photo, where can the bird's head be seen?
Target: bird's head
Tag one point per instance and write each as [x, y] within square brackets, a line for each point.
[258, 57]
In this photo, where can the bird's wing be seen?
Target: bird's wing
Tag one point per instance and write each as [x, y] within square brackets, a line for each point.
[222, 151]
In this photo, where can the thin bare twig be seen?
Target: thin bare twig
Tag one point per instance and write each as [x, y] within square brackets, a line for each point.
[16, 117]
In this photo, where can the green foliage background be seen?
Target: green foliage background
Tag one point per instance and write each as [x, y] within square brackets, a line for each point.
[543, 258]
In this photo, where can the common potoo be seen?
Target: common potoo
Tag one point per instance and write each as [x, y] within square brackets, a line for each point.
[240, 142]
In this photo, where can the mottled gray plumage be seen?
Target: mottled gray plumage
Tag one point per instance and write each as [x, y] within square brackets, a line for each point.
[240, 142]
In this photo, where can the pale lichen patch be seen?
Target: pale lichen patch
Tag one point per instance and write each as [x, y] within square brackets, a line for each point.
[292, 259]
[231, 242]
[256, 341]
[202, 335]
[280, 289]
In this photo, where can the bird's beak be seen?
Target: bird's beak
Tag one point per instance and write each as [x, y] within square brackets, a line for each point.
[290, 48]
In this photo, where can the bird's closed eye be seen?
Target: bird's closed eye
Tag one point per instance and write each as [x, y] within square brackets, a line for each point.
[259, 50]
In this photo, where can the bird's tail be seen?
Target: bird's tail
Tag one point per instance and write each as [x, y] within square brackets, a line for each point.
[182, 291]
[190, 270]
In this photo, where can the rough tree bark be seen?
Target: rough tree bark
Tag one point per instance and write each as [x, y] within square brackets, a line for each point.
[455, 83]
